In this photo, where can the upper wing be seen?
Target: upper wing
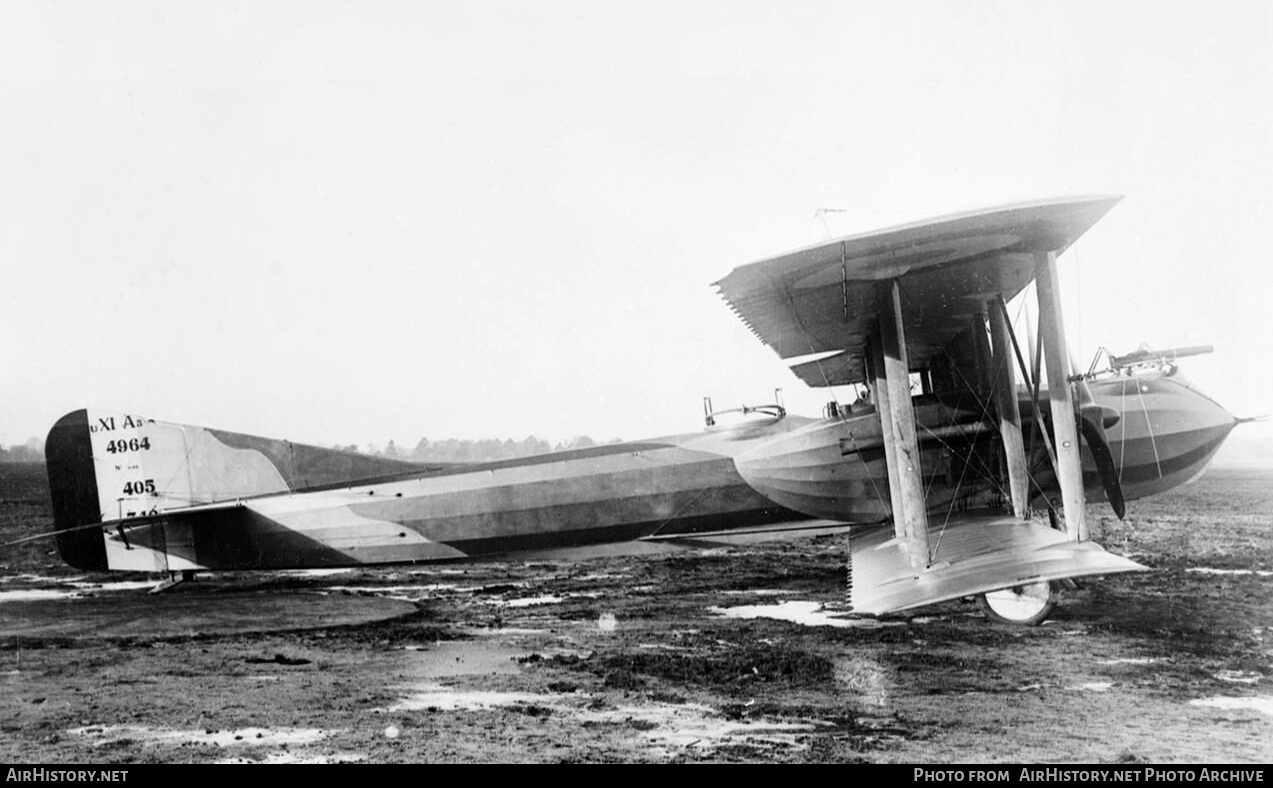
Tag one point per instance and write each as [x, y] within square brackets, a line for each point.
[822, 299]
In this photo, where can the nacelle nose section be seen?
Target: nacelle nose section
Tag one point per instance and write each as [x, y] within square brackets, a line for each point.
[1168, 433]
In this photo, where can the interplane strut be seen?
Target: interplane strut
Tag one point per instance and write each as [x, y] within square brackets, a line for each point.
[909, 473]
[1005, 392]
[1068, 457]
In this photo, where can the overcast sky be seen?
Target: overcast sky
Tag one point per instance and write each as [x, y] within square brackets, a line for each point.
[348, 222]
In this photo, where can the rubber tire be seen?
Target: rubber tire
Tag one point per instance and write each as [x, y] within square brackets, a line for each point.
[1006, 606]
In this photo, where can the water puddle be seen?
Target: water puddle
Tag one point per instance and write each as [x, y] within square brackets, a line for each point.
[422, 591]
[284, 756]
[458, 658]
[1129, 661]
[756, 592]
[34, 595]
[666, 727]
[1238, 676]
[602, 576]
[29, 578]
[449, 658]
[413, 593]
[1094, 686]
[321, 572]
[431, 696]
[1262, 704]
[810, 614]
[675, 727]
[1202, 570]
[76, 590]
[530, 601]
[506, 632]
[246, 737]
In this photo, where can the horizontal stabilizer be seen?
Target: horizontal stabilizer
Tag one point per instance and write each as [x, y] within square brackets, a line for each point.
[970, 557]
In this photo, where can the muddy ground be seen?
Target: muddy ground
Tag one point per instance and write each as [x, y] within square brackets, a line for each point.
[646, 659]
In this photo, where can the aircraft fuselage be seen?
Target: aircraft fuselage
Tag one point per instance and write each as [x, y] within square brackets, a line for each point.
[752, 474]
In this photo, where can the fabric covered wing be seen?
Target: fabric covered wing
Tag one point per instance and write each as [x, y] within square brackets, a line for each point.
[822, 299]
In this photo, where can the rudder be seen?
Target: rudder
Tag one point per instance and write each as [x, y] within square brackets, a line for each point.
[73, 492]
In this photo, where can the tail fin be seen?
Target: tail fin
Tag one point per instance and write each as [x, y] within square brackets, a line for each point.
[106, 466]
[68, 456]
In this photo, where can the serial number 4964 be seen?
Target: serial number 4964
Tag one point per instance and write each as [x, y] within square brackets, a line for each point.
[129, 444]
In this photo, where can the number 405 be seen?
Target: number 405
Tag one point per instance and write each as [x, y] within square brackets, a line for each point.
[139, 487]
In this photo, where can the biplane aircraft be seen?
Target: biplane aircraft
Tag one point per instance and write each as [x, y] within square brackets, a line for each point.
[944, 445]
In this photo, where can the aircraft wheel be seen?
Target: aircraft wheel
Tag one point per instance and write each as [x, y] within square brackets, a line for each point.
[1027, 605]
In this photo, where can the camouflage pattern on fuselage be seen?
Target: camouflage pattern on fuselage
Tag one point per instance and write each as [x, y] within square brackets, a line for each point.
[171, 497]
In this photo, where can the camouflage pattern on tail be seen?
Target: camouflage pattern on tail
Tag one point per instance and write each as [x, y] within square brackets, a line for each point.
[106, 466]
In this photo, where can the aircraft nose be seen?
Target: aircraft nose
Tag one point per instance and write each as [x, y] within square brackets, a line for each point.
[1197, 410]
[1168, 431]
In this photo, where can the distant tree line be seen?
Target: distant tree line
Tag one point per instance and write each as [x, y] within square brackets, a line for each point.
[484, 450]
[31, 451]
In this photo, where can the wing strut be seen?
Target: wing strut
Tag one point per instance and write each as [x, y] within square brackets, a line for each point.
[1005, 391]
[1069, 460]
[910, 520]
[884, 407]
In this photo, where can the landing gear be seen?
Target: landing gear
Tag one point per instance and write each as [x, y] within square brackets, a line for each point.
[1028, 605]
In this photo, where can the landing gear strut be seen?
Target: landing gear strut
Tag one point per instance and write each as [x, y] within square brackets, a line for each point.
[1027, 605]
